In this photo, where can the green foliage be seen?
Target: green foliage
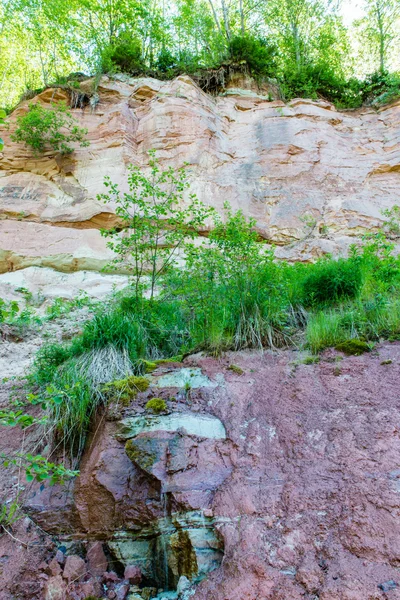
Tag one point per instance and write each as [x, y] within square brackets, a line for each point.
[156, 405]
[332, 280]
[53, 128]
[2, 121]
[235, 369]
[320, 80]
[257, 53]
[123, 55]
[10, 513]
[392, 226]
[126, 389]
[156, 221]
[380, 88]
[353, 346]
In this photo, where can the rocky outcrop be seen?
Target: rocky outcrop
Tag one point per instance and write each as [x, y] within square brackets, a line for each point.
[313, 178]
[280, 481]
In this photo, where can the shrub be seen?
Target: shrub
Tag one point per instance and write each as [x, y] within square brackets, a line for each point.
[380, 88]
[316, 80]
[125, 55]
[332, 280]
[257, 53]
[166, 61]
[156, 405]
[42, 128]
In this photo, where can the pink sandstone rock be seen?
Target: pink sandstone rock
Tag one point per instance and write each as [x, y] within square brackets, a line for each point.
[97, 560]
[133, 573]
[75, 568]
[276, 162]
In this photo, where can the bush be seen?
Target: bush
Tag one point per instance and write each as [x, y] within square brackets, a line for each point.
[258, 53]
[166, 61]
[320, 80]
[41, 128]
[380, 88]
[332, 280]
[124, 55]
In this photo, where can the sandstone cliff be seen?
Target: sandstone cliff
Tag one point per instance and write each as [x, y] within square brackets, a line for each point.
[314, 178]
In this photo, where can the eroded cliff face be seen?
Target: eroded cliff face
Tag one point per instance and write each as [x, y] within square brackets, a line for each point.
[279, 481]
[278, 163]
[265, 478]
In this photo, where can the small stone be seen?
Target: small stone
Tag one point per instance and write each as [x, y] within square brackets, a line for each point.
[97, 560]
[183, 585]
[122, 590]
[75, 568]
[92, 589]
[110, 576]
[60, 557]
[111, 594]
[55, 588]
[149, 592]
[53, 568]
[386, 586]
[133, 574]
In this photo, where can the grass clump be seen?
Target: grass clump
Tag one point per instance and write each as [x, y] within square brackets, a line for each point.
[353, 347]
[156, 405]
[310, 360]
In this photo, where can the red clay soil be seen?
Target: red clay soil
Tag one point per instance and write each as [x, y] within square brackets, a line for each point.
[309, 504]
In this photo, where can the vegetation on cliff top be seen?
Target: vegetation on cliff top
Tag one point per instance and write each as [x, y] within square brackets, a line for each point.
[304, 45]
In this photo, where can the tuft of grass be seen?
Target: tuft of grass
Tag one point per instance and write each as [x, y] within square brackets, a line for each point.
[324, 329]
[330, 281]
[310, 360]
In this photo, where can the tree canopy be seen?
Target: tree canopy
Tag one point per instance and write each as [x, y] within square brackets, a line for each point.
[303, 44]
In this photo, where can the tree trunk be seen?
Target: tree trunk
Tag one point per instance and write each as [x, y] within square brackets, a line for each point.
[241, 16]
[379, 17]
[296, 42]
[226, 19]
[215, 17]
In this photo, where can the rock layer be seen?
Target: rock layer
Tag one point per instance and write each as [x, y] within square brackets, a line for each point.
[313, 178]
[302, 497]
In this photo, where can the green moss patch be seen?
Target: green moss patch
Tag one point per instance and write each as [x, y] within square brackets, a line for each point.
[354, 347]
[126, 389]
[156, 405]
[235, 369]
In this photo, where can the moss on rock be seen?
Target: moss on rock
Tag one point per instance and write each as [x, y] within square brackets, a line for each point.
[126, 389]
[156, 405]
[140, 454]
[353, 346]
[236, 369]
